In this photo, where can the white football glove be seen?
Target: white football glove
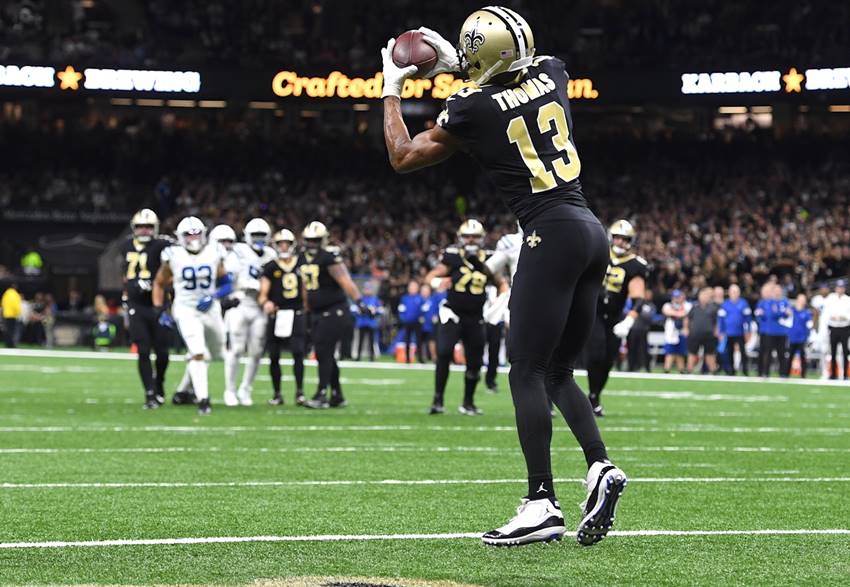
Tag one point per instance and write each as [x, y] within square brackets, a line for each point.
[447, 59]
[394, 75]
[622, 328]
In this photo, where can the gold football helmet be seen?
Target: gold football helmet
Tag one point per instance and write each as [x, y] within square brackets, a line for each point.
[315, 235]
[145, 217]
[493, 41]
[471, 233]
[625, 230]
[284, 235]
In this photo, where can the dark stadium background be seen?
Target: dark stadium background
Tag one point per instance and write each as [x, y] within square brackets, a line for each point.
[722, 187]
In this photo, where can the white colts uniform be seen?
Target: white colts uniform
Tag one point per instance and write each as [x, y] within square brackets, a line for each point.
[506, 256]
[194, 277]
[246, 323]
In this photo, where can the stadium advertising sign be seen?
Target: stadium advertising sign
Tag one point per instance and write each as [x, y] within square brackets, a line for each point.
[121, 80]
[772, 81]
[338, 85]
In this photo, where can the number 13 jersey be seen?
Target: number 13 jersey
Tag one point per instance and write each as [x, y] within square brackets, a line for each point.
[522, 136]
[194, 274]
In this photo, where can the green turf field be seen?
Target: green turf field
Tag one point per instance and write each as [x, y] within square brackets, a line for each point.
[80, 461]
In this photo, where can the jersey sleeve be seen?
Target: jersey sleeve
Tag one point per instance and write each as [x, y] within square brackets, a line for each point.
[457, 116]
[166, 255]
[498, 262]
[332, 256]
[450, 257]
[268, 269]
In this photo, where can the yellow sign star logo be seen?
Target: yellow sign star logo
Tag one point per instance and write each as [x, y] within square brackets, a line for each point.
[70, 79]
[793, 80]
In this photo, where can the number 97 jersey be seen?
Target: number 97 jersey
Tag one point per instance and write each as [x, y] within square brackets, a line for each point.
[194, 275]
[522, 136]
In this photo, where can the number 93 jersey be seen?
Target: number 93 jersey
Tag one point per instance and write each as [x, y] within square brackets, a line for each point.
[615, 285]
[522, 136]
[194, 275]
[247, 267]
[470, 278]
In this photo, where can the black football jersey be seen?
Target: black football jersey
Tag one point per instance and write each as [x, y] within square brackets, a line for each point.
[615, 285]
[285, 278]
[323, 291]
[470, 277]
[522, 136]
[140, 262]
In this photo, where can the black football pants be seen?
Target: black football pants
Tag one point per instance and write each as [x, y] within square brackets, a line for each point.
[494, 345]
[148, 335]
[601, 354]
[553, 307]
[469, 330]
[296, 343]
[328, 329]
[838, 336]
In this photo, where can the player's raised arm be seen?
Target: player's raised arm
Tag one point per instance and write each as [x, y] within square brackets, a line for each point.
[439, 271]
[160, 283]
[425, 149]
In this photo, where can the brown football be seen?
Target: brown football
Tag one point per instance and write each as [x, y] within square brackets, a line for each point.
[411, 49]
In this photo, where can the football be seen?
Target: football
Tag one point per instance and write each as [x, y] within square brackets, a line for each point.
[412, 49]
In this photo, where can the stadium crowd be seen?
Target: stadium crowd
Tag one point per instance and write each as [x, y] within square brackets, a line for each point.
[316, 34]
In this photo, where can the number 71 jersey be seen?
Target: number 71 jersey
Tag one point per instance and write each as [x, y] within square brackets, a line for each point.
[194, 275]
[522, 136]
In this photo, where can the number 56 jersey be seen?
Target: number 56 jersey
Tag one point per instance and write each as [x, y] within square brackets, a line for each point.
[521, 135]
[194, 275]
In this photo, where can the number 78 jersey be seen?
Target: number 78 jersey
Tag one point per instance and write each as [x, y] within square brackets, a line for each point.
[522, 136]
[194, 275]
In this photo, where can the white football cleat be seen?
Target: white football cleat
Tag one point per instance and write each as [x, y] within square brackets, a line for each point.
[245, 397]
[230, 399]
[604, 484]
[537, 520]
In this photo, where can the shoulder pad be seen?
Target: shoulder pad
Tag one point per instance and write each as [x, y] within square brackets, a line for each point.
[641, 260]
[333, 250]
[451, 251]
[464, 92]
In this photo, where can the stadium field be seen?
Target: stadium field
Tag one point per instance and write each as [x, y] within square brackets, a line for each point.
[731, 482]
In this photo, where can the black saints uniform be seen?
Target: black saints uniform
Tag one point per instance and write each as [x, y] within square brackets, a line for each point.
[520, 132]
[139, 266]
[329, 314]
[604, 346]
[463, 321]
[285, 292]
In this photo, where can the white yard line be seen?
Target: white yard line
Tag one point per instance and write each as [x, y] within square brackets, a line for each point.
[406, 449]
[400, 482]
[679, 428]
[367, 537]
[120, 356]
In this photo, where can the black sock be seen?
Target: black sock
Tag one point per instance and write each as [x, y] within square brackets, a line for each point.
[441, 377]
[161, 367]
[577, 411]
[469, 384]
[540, 488]
[145, 371]
[274, 371]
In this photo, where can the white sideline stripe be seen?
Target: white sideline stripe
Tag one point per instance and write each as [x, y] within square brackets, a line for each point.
[365, 537]
[429, 367]
[350, 482]
[406, 428]
[407, 449]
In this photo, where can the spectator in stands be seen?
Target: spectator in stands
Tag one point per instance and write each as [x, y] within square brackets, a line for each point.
[734, 319]
[700, 326]
[409, 309]
[638, 339]
[75, 302]
[836, 313]
[801, 326]
[675, 336]
[11, 303]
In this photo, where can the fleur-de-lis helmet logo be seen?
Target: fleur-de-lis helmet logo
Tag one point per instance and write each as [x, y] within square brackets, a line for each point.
[472, 39]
